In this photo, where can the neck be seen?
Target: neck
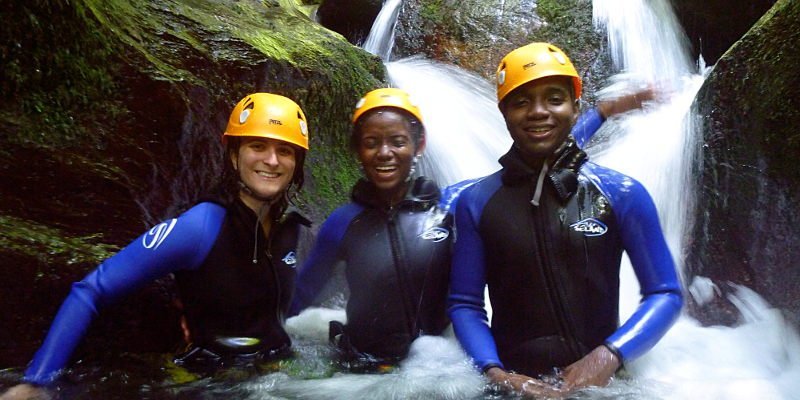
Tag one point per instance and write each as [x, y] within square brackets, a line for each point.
[392, 197]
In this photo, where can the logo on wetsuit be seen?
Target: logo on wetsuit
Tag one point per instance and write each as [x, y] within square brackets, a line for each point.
[290, 258]
[435, 234]
[590, 227]
[154, 237]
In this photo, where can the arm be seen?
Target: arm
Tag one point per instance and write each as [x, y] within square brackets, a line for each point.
[467, 282]
[586, 126]
[181, 243]
[589, 123]
[317, 270]
[466, 306]
[655, 270]
[652, 262]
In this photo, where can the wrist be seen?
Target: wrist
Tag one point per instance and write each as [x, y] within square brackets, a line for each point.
[494, 373]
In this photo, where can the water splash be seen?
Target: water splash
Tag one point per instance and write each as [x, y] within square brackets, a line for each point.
[466, 132]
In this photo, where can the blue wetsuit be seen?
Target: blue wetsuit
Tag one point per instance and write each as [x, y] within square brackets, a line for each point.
[229, 274]
[396, 264]
[553, 269]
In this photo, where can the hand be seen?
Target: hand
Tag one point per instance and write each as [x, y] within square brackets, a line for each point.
[627, 102]
[522, 384]
[26, 391]
[595, 369]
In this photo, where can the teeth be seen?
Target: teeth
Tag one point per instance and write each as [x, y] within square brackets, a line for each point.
[385, 169]
[268, 174]
[539, 130]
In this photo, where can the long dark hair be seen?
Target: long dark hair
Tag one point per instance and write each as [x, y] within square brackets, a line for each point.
[231, 183]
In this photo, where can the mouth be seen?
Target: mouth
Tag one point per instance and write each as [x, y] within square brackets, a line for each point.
[386, 169]
[539, 131]
[268, 175]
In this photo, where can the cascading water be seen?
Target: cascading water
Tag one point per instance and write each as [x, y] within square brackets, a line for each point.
[466, 135]
[381, 37]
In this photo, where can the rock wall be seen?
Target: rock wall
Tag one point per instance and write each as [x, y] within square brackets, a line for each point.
[110, 120]
[749, 188]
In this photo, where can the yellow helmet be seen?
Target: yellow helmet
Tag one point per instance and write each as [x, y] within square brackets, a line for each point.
[534, 61]
[386, 97]
[270, 116]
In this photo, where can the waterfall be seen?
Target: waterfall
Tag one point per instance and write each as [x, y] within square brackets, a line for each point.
[381, 37]
[466, 135]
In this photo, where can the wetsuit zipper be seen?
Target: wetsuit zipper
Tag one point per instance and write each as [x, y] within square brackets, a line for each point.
[552, 285]
[399, 265]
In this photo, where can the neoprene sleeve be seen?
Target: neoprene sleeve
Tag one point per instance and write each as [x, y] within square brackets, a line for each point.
[180, 243]
[652, 262]
[317, 270]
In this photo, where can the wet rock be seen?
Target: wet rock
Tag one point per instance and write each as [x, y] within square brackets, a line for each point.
[110, 120]
[746, 225]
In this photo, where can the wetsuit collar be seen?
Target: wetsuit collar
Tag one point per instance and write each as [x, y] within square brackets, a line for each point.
[422, 194]
[562, 170]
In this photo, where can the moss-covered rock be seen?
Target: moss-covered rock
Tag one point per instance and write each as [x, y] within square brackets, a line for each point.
[110, 120]
[746, 229]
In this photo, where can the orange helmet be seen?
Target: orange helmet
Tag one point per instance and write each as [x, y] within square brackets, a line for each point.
[386, 97]
[270, 116]
[531, 62]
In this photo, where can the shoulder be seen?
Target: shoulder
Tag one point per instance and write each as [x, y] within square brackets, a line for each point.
[336, 223]
[477, 193]
[621, 190]
[199, 224]
[205, 214]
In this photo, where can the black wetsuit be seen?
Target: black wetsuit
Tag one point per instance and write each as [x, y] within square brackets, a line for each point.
[210, 248]
[551, 262]
[396, 266]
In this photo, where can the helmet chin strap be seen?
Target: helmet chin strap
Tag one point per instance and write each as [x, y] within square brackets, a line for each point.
[250, 192]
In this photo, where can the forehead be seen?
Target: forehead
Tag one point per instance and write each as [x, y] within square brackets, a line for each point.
[264, 140]
[386, 119]
[547, 84]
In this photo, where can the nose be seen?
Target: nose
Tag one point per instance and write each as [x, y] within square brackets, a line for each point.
[384, 151]
[270, 157]
[537, 110]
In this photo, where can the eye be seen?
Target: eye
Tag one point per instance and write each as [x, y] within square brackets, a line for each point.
[518, 102]
[285, 151]
[256, 146]
[557, 99]
[399, 141]
[369, 142]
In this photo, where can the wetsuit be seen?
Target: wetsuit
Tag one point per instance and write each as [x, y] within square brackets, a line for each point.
[553, 269]
[396, 264]
[233, 281]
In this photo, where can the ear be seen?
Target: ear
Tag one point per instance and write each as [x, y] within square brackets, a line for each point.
[576, 108]
[420, 143]
[234, 156]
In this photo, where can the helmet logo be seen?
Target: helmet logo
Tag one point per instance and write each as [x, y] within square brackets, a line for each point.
[244, 115]
[275, 122]
[303, 128]
[501, 78]
[529, 65]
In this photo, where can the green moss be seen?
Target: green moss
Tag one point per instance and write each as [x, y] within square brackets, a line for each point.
[49, 245]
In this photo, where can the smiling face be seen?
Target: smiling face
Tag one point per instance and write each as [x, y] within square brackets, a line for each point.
[539, 116]
[386, 151]
[265, 166]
